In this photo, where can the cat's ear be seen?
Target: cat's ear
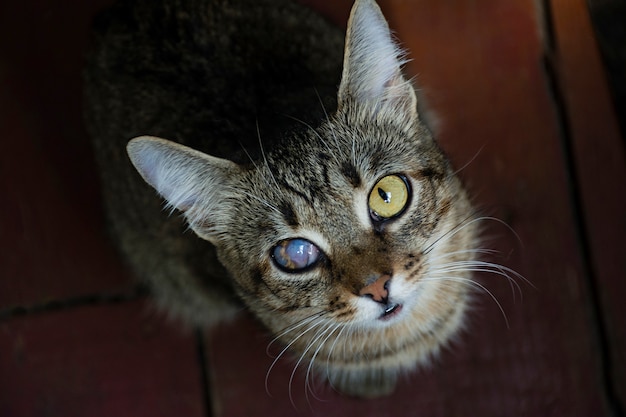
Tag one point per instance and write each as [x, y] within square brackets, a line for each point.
[372, 64]
[189, 180]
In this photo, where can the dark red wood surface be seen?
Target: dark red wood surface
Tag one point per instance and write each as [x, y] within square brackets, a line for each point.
[51, 222]
[98, 361]
[541, 152]
[601, 175]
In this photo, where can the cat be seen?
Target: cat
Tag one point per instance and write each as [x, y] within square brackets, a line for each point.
[329, 212]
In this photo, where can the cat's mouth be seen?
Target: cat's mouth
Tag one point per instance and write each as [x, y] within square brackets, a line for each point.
[391, 311]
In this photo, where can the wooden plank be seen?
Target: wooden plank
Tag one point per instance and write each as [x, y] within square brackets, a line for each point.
[480, 70]
[601, 170]
[98, 361]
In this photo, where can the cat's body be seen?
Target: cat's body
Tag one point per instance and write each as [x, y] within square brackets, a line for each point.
[336, 218]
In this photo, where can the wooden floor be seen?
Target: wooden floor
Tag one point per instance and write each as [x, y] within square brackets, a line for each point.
[522, 104]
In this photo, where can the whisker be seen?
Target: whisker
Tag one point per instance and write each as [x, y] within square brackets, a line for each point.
[260, 200]
[503, 223]
[258, 132]
[282, 352]
[332, 348]
[460, 226]
[318, 334]
[307, 379]
[475, 284]
[248, 155]
[477, 251]
[332, 129]
[353, 152]
[469, 162]
[487, 267]
[292, 327]
[512, 283]
[465, 223]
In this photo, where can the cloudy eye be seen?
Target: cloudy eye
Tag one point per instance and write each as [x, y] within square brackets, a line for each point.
[294, 255]
[389, 197]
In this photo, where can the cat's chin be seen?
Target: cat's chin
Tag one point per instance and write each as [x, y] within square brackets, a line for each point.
[387, 316]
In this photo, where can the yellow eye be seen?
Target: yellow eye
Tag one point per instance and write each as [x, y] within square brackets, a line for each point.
[389, 197]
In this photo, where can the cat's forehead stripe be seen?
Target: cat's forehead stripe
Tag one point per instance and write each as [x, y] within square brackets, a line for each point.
[351, 174]
[289, 214]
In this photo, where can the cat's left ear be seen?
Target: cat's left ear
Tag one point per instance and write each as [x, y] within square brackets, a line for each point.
[372, 64]
[190, 181]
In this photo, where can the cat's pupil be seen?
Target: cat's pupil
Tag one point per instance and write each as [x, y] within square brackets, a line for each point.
[384, 195]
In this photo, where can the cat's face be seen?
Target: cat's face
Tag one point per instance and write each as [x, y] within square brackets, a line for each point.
[349, 240]
[353, 225]
[345, 220]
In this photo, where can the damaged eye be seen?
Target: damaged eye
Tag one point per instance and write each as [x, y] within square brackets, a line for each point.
[294, 255]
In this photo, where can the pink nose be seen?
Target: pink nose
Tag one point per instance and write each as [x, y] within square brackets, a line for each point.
[377, 290]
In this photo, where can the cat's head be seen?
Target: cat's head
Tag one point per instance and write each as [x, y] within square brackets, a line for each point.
[343, 233]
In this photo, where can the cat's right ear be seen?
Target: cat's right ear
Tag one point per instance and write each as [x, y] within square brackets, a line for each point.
[372, 73]
[189, 180]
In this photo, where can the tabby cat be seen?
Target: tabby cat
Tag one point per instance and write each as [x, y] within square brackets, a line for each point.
[331, 214]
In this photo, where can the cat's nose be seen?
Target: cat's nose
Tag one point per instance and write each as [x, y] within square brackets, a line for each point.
[377, 289]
